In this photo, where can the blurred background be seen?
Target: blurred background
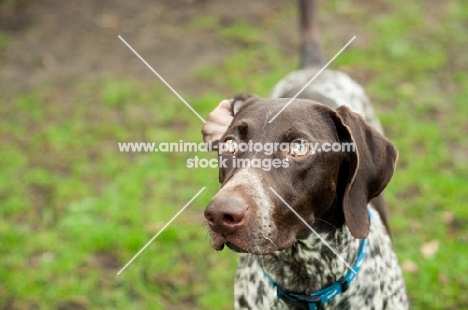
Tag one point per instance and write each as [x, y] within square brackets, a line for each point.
[74, 210]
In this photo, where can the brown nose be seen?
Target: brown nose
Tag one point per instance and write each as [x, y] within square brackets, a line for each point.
[226, 214]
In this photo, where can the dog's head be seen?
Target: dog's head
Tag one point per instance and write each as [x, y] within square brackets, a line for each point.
[306, 156]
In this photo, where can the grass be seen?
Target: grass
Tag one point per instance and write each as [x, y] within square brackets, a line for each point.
[75, 210]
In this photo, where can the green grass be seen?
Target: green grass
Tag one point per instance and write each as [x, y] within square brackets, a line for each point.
[74, 209]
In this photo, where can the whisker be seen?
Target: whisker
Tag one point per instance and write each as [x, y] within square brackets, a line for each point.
[276, 248]
[283, 223]
[328, 223]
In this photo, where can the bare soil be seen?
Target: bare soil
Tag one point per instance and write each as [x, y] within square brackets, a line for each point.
[60, 43]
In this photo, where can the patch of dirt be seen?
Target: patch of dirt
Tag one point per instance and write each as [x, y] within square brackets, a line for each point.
[62, 42]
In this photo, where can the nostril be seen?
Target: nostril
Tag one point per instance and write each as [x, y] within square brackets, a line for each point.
[233, 218]
[228, 219]
[209, 216]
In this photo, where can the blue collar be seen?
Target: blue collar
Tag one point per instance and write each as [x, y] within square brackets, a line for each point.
[317, 299]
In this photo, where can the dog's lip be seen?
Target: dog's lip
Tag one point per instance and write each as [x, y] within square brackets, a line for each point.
[219, 247]
[217, 241]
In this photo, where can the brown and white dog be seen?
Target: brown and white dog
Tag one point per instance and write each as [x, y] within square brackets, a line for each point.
[257, 212]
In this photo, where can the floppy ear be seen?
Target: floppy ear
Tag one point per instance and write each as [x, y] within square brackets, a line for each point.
[239, 101]
[371, 166]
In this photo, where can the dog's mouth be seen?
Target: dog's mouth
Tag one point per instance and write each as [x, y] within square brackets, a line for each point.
[239, 245]
[231, 246]
[218, 242]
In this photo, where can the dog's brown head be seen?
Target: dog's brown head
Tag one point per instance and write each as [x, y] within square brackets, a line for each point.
[328, 186]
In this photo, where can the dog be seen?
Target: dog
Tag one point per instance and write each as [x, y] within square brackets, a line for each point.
[312, 231]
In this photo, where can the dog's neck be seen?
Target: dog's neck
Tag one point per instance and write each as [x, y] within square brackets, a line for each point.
[309, 265]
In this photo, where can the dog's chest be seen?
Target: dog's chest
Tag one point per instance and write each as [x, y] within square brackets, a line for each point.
[378, 285]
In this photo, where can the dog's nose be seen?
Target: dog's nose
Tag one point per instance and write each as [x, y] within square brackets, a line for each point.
[226, 214]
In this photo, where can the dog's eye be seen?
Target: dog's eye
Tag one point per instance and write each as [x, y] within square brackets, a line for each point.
[230, 146]
[300, 148]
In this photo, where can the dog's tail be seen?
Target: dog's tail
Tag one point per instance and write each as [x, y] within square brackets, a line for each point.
[311, 53]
